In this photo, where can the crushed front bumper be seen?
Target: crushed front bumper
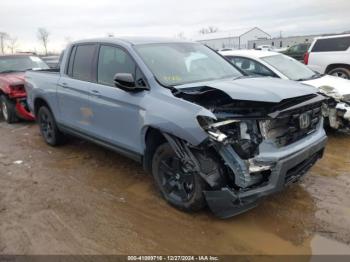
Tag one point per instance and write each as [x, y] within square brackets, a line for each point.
[227, 202]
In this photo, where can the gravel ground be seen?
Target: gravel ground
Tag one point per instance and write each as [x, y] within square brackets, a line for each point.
[82, 199]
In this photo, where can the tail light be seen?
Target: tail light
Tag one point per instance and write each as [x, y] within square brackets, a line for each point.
[16, 90]
[306, 58]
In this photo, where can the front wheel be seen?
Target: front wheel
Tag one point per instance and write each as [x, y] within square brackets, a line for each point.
[48, 127]
[179, 187]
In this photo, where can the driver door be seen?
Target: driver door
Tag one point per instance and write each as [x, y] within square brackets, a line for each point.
[117, 116]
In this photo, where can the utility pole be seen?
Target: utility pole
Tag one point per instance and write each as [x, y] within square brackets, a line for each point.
[3, 36]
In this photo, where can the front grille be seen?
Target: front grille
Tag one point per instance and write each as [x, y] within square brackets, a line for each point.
[289, 127]
[299, 170]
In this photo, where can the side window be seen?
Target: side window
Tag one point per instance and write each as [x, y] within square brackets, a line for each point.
[113, 60]
[251, 67]
[83, 61]
[332, 44]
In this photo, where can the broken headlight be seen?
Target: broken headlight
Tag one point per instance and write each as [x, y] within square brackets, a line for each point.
[243, 135]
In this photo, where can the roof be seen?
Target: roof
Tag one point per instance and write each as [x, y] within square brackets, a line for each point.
[331, 36]
[134, 40]
[249, 53]
[226, 34]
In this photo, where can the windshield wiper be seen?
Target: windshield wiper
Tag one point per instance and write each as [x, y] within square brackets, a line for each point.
[9, 71]
[316, 75]
[15, 71]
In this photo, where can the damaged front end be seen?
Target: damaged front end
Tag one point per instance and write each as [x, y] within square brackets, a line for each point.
[253, 148]
[336, 110]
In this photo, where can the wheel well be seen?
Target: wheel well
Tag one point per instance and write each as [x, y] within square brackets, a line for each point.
[153, 139]
[39, 102]
[333, 66]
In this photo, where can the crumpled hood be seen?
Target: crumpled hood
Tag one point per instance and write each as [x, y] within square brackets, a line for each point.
[342, 86]
[261, 89]
[13, 78]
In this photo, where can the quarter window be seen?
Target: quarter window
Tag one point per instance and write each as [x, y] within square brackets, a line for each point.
[332, 44]
[113, 60]
[82, 66]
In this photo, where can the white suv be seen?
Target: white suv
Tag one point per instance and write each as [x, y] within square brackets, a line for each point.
[330, 55]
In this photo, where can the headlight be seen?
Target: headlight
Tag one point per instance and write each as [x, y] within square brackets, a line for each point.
[243, 135]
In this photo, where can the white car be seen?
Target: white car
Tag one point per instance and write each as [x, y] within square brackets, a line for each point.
[264, 47]
[272, 64]
[330, 55]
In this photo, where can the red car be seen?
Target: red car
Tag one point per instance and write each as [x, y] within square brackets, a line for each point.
[13, 97]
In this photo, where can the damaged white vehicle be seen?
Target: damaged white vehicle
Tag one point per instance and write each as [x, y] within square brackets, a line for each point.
[336, 111]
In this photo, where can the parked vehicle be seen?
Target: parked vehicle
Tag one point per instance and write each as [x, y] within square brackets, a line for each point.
[12, 93]
[297, 51]
[206, 132]
[52, 61]
[336, 110]
[330, 55]
[264, 47]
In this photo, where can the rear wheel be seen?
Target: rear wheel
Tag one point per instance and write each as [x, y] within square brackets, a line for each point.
[340, 72]
[181, 188]
[48, 127]
[8, 110]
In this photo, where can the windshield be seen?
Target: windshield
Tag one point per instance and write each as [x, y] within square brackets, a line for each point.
[180, 63]
[20, 63]
[288, 66]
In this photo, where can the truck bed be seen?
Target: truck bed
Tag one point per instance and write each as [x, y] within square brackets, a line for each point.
[41, 83]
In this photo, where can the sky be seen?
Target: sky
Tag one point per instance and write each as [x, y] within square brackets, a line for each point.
[68, 20]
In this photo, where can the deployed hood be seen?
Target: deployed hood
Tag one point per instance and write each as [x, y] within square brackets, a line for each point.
[260, 89]
[342, 86]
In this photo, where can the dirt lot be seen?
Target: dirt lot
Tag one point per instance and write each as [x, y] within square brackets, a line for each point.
[83, 199]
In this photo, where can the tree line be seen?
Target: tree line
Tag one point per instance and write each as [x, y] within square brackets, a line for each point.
[10, 43]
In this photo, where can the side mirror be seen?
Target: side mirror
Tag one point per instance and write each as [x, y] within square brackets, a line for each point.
[125, 81]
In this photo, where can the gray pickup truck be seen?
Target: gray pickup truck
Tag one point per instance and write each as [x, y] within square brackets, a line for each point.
[208, 134]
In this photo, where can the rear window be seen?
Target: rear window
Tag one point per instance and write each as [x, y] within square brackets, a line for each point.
[82, 65]
[332, 44]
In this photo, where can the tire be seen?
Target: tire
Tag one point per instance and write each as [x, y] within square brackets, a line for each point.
[180, 189]
[48, 127]
[340, 72]
[8, 110]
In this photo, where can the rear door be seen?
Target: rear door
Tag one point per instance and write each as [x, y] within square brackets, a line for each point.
[74, 86]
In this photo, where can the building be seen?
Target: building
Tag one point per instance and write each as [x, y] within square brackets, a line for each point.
[234, 39]
[281, 42]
